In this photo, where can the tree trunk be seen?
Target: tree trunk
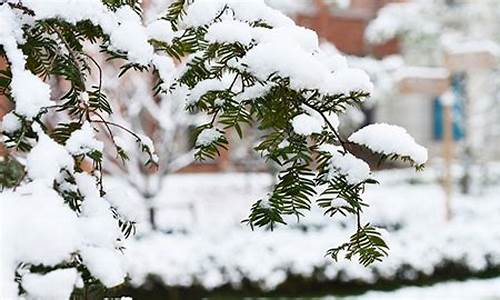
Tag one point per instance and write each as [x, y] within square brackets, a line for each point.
[151, 212]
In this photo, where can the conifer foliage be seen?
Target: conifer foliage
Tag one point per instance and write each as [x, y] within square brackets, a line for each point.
[239, 62]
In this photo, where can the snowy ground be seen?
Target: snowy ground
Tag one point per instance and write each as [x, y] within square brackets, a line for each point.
[212, 247]
[455, 290]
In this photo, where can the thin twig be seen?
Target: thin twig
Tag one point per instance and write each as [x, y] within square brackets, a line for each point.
[332, 128]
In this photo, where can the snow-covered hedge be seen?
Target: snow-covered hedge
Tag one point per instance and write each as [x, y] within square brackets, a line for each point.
[217, 250]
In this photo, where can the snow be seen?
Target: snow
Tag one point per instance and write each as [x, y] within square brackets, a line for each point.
[397, 18]
[331, 57]
[105, 265]
[10, 123]
[294, 60]
[288, 51]
[148, 143]
[55, 285]
[206, 86]
[333, 119]
[477, 46]
[161, 30]
[229, 31]
[390, 139]
[48, 227]
[166, 68]
[286, 60]
[87, 186]
[381, 72]
[346, 80]
[30, 100]
[203, 12]
[304, 7]
[98, 224]
[293, 8]
[53, 233]
[82, 141]
[99, 233]
[10, 34]
[216, 249]
[305, 124]
[354, 169]
[138, 49]
[421, 72]
[208, 136]
[120, 25]
[469, 289]
[253, 92]
[306, 38]
[126, 202]
[329, 148]
[46, 159]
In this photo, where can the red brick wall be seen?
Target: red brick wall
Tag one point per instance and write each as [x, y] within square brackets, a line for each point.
[345, 28]
[4, 104]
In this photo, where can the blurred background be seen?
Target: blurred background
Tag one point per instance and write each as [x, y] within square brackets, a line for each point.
[435, 67]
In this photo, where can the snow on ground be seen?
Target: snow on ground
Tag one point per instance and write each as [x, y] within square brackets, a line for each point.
[453, 290]
[210, 246]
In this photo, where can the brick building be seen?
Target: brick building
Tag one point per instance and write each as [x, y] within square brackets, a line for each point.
[345, 27]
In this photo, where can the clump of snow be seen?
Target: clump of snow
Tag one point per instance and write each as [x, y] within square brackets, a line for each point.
[287, 60]
[208, 136]
[82, 141]
[29, 101]
[265, 204]
[229, 31]
[55, 285]
[149, 144]
[161, 30]
[346, 80]
[354, 169]
[99, 233]
[203, 12]
[126, 204]
[284, 143]
[46, 232]
[138, 49]
[390, 139]
[255, 91]
[306, 38]
[329, 148]
[46, 159]
[292, 8]
[332, 57]
[10, 123]
[105, 265]
[206, 86]
[305, 124]
[394, 19]
[166, 68]
[120, 25]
